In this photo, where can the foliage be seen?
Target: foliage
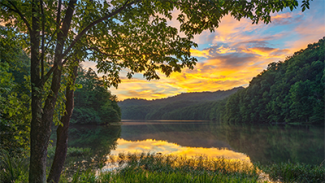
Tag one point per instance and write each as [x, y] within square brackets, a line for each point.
[14, 94]
[289, 91]
[93, 102]
[186, 106]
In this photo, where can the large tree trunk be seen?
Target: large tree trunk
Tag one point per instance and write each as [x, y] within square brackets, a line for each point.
[42, 119]
[38, 148]
[62, 134]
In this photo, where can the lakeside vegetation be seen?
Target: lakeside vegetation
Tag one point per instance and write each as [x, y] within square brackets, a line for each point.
[169, 168]
[94, 104]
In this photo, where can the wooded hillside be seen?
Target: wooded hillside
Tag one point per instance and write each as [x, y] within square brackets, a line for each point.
[185, 106]
[287, 91]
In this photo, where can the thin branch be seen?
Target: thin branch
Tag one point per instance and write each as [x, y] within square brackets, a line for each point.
[110, 55]
[78, 37]
[48, 43]
[19, 13]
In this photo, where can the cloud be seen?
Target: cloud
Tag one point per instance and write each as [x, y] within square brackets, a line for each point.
[200, 53]
[286, 18]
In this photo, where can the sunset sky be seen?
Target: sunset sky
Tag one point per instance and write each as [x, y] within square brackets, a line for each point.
[233, 54]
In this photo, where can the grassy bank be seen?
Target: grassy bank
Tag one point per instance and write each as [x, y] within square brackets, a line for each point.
[169, 168]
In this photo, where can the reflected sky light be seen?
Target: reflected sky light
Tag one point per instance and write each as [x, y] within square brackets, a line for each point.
[164, 147]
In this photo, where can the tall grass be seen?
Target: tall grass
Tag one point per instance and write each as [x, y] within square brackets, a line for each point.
[12, 168]
[295, 172]
[172, 168]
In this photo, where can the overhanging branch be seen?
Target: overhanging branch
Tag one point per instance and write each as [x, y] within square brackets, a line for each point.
[78, 37]
[19, 13]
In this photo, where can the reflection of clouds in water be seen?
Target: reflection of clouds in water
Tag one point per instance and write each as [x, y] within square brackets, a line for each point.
[164, 147]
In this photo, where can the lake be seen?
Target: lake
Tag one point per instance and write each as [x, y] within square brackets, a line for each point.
[261, 143]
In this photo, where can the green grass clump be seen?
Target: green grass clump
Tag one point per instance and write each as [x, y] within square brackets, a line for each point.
[13, 168]
[295, 172]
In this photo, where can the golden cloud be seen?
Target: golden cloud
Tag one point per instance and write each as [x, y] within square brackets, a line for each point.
[199, 53]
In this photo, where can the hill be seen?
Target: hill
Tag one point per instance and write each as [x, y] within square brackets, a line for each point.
[174, 107]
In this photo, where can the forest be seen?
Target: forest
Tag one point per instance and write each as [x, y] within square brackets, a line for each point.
[187, 106]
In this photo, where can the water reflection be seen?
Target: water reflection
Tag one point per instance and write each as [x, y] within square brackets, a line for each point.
[255, 143]
[164, 147]
[262, 143]
[94, 143]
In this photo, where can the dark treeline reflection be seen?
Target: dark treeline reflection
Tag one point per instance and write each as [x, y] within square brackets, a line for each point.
[262, 143]
[275, 144]
[89, 146]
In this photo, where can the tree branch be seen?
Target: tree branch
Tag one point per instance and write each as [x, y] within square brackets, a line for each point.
[19, 13]
[78, 37]
[110, 55]
[58, 23]
[58, 16]
[48, 74]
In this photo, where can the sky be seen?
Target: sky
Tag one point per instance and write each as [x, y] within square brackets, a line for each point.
[233, 54]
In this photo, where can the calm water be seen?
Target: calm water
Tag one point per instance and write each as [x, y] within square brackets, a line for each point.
[256, 143]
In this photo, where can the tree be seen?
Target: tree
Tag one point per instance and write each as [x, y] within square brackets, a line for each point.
[118, 34]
